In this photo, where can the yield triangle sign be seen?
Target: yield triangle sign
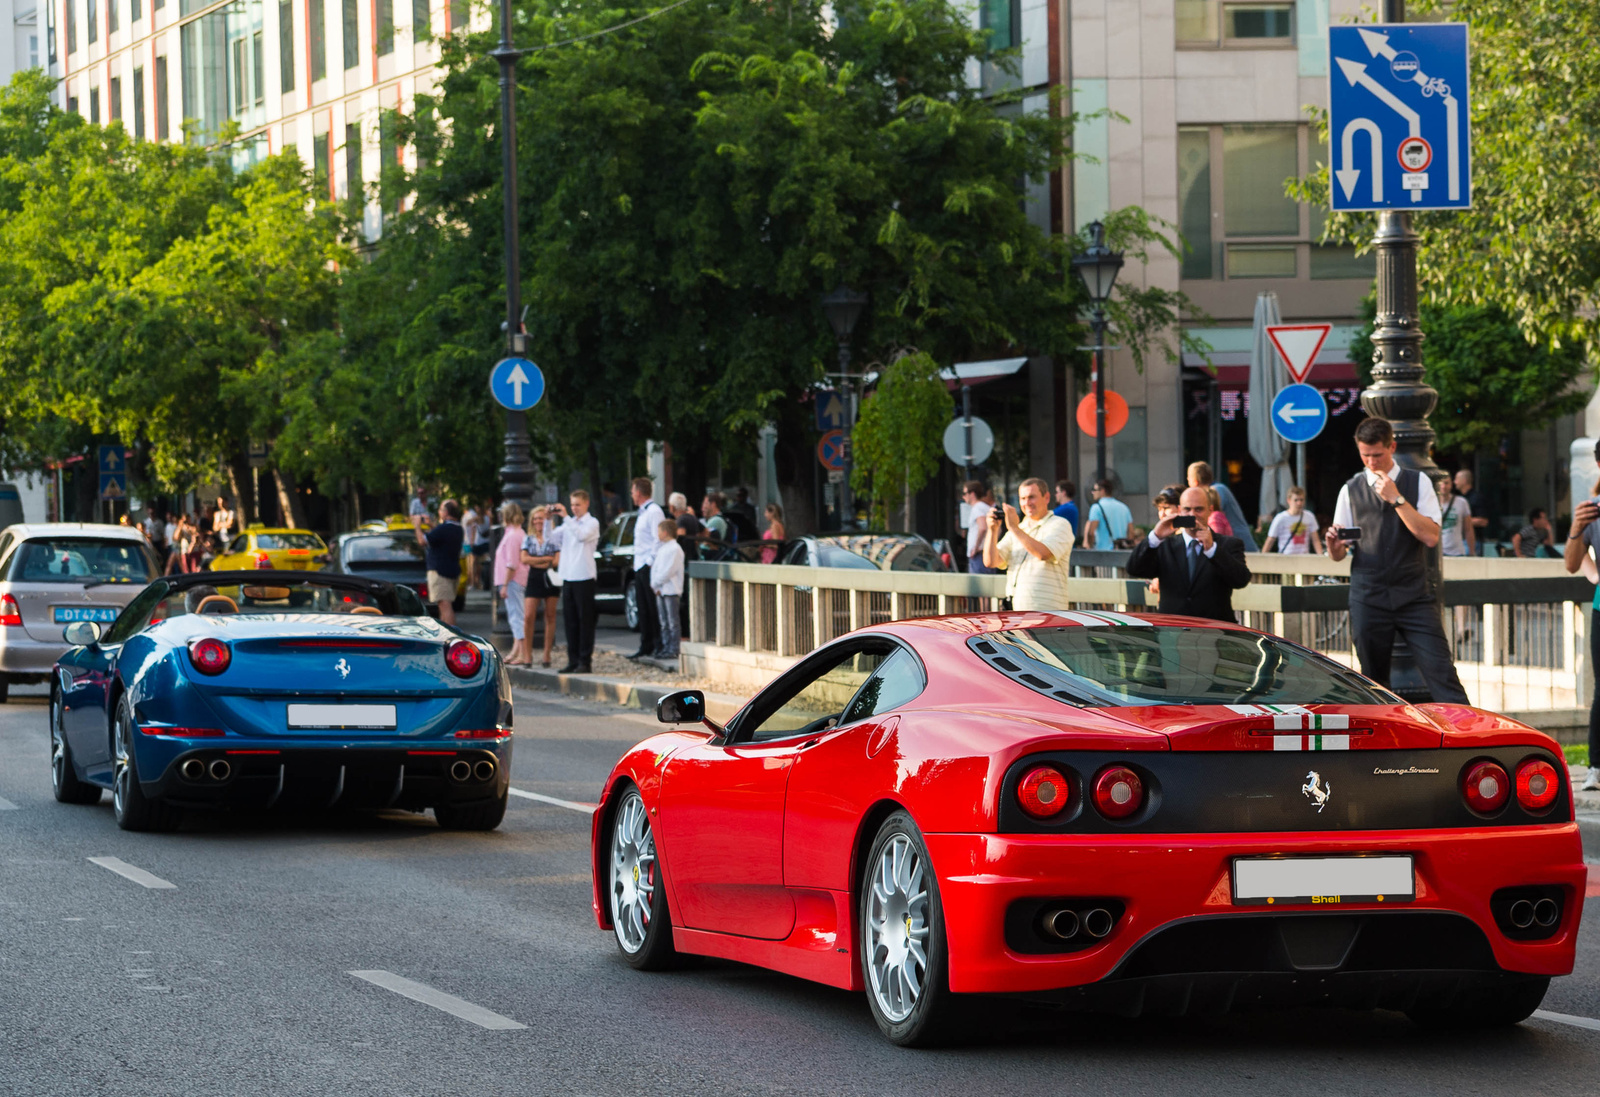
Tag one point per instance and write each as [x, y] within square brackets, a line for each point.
[1299, 344]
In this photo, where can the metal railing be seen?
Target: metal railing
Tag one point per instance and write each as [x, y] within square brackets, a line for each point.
[1518, 628]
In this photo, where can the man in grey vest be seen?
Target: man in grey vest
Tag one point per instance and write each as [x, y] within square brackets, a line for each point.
[1397, 513]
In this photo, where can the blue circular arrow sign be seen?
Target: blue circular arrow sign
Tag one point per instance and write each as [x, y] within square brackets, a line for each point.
[1299, 413]
[516, 383]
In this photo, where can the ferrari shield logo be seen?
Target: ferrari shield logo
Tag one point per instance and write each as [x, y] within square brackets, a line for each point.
[1316, 790]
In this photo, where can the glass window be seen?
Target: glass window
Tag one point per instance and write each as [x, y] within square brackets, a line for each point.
[352, 159]
[115, 93]
[1197, 21]
[50, 29]
[1256, 21]
[1337, 260]
[275, 541]
[138, 103]
[318, 29]
[1150, 665]
[419, 20]
[307, 595]
[458, 16]
[814, 700]
[82, 559]
[1194, 200]
[1261, 261]
[111, 15]
[94, 104]
[135, 615]
[898, 681]
[999, 20]
[161, 98]
[320, 160]
[1256, 162]
[135, 11]
[385, 27]
[72, 26]
[92, 17]
[396, 549]
[258, 68]
[285, 46]
[352, 32]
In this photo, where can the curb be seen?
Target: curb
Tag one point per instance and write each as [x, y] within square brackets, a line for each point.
[615, 691]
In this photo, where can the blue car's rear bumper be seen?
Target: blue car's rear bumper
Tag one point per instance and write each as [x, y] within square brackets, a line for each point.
[413, 775]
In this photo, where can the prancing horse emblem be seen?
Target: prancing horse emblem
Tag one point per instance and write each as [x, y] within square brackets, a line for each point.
[344, 672]
[1316, 790]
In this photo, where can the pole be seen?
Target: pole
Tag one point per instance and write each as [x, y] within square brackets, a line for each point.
[966, 419]
[1300, 462]
[1099, 324]
[846, 503]
[516, 474]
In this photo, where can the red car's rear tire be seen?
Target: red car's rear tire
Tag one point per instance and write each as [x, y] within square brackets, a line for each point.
[636, 889]
[904, 960]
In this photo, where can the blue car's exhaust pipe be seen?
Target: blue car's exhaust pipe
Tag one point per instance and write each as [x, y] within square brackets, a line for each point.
[484, 770]
[193, 770]
[220, 770]
[460, 770]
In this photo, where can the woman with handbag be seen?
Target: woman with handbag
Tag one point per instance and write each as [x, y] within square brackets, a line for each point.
[510, 581]
[541, 552]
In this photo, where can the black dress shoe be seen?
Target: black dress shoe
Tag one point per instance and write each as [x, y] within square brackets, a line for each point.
[583, 668]
[570, 668]
[641, 655]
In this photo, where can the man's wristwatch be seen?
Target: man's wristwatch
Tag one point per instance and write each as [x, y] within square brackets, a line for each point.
[1398, 503]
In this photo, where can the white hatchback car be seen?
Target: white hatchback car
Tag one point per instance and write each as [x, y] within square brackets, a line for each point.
[55, 574]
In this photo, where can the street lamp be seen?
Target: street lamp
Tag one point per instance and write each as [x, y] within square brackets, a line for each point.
[843, 308]
[516, 474]
[1098, 268]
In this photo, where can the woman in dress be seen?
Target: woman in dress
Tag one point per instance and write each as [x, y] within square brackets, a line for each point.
[510, 583]
[541, 553]
[774, 532]
[1218, 521]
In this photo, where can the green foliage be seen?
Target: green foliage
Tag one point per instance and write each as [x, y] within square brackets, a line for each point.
[1530, 244]
[1491, 382]
[896, 443]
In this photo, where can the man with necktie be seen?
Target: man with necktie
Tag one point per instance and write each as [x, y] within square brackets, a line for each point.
[1199, 570]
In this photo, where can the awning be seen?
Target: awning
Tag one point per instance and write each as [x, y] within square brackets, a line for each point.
[970, 373]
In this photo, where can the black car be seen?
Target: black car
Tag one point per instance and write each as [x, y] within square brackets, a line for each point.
[395, 556]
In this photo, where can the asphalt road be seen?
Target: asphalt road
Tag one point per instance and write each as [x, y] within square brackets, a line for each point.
[237, 978]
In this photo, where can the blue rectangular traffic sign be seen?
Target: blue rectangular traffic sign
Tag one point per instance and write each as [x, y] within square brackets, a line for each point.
[1398, 116]
[113, 472]
[830, 410]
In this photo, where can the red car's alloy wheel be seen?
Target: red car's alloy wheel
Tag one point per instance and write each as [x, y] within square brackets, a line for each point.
[633, 874]
[897, 929]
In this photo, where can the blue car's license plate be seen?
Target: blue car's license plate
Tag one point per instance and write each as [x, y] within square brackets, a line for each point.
[66, 615]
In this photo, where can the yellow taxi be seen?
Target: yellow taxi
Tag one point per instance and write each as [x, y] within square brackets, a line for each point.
[260, 547]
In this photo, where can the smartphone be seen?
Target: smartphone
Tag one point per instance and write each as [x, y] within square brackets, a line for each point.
[1183, 521]
[1350, 533]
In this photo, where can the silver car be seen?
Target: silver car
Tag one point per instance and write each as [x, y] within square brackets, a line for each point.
[57, 573]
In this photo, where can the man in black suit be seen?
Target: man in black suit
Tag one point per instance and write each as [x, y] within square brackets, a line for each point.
[1198, 570]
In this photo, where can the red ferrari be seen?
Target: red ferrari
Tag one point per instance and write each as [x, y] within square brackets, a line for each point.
[1132, 813]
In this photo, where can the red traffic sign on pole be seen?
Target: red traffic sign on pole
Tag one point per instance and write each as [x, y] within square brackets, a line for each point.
[1298, 345]
[830, 450]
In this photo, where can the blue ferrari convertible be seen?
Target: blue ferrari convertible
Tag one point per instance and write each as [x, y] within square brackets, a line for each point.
[280, 689]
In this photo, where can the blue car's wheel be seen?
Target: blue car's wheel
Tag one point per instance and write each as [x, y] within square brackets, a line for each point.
[133, 810]
[64, 780]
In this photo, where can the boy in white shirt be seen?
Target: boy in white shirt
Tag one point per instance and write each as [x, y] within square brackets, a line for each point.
[666, 580]
[1294, 531]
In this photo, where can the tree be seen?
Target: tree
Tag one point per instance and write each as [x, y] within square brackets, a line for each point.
[896, 443]
[692, 186]
[1491, 382]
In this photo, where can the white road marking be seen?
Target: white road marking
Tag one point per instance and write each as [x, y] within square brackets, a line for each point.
[1568, 1019]
[438, 999]
[570, 805]
[132, 872]
[7, 805]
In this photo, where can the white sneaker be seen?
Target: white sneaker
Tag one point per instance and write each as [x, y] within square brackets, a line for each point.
[1592, 782]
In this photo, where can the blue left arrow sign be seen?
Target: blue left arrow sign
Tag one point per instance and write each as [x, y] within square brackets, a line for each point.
[516, 383]
[1299, 413]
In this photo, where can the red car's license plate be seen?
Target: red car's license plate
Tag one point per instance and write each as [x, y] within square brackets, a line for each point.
[1268, 881]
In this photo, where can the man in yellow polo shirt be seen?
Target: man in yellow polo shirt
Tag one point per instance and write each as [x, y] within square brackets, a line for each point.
[1034, 551]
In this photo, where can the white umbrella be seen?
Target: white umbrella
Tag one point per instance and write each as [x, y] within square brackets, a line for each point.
[1267, 377]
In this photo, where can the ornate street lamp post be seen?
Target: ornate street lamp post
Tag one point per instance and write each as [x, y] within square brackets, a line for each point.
[516, 474]
[843, 308]
[1098, 267]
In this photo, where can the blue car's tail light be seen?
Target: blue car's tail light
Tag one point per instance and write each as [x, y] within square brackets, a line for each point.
[182, 733]
[463, 658]
[484, 733]
[209, 656]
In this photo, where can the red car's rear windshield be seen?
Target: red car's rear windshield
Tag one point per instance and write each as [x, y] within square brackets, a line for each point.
[1165, 665]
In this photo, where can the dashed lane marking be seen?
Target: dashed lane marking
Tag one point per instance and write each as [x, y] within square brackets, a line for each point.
[132, 872]
[7, 805]
[570, 805]
[438, 999]
[1568, 1019]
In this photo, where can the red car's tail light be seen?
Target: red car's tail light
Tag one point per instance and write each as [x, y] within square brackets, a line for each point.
[463, 658]
[1118, 792]
[209, 656]
[1043, 792]
[10, 612]
[1486, 787]
[1537, 784]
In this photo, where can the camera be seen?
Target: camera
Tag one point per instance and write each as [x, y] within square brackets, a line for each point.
[1183, 521]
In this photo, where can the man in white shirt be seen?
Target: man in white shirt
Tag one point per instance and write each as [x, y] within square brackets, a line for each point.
[1456, 535]
[1396, 512]
[666, 580]
[578, 534]
[974, 493]
[222, 521]
[645, 546]
[1034, 552]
